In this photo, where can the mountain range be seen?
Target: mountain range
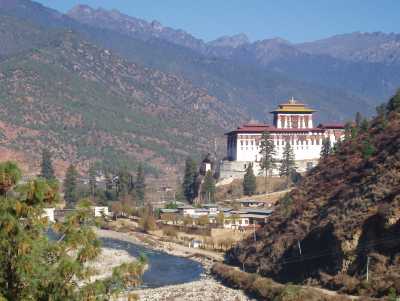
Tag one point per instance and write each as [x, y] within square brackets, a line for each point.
[232, 78]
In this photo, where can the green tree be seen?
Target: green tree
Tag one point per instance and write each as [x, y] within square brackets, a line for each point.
[47, 170]
[10, 174]
[364, 126]
[288, 164]
[358, 119]
[109, 186]
[268, 153]
[368, 149]
[36, 267]
[171, 205]
[189, 180]
[140, 184]
[348, 131]
[70, 186]
[394, 103]
[249, 181]
[381, 112]
[124, 182]
[92, 180]
[208, 187]
[326, 148]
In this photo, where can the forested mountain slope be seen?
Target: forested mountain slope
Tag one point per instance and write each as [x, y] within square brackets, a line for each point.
[344, 215]
[86, 103]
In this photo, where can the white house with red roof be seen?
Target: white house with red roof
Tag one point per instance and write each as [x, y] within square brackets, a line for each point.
[292, 123]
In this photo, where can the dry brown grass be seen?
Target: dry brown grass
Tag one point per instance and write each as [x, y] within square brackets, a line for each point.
[234, 190]
[266, 289]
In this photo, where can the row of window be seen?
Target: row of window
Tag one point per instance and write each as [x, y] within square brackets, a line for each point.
[298, 142]
[296, 148]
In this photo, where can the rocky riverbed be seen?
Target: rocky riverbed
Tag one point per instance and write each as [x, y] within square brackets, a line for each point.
[204, 289]
[107, 260]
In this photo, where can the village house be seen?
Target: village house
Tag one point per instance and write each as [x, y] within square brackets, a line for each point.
[233, 219]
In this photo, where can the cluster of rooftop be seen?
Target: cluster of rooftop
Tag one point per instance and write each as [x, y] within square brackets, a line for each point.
[249, 214]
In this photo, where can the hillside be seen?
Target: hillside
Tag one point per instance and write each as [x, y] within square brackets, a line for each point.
[86, 103]
[345, 211]
[17, 36]
[253, 89]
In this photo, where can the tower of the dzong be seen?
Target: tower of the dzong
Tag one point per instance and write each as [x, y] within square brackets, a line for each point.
[293, 115]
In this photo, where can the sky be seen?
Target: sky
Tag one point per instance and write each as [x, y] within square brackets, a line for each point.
[293, 20]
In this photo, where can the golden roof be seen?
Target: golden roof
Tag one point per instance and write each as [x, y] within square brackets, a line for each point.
[293, 106]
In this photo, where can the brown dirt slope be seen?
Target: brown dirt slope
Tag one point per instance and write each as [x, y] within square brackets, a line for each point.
[344, 212]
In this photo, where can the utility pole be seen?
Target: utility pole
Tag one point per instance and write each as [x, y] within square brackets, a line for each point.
[367, 268]
[298, 244]
[254, 230]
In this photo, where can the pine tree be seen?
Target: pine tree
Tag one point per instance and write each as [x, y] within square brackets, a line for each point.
[326, 148]
[368, 149]
[70, 186]
[189, 180]
[10, 174]
[364, 126]
[34, 267]
[124, 182]
[348, 131]
[288, 164]
[249, 181]
[92, 180]
[394, 103]
[140, 184]
[208, 187]
[358, 119]
[109, 186]
[47, 170]
[381, 112]
[267, 152]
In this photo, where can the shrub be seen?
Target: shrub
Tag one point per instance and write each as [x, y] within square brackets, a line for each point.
[170, 232]
[148, 223]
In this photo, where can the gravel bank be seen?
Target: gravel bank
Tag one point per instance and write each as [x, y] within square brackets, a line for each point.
[107, 260]
[202, 290]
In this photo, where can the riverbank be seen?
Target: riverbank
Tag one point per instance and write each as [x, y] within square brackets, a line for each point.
[164, 246]
[204, 289]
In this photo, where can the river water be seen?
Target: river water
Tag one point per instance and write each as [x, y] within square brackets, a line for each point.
[164, 269]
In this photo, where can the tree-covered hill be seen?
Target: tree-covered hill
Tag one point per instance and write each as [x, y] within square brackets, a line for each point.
[342, 217]
[86, 103]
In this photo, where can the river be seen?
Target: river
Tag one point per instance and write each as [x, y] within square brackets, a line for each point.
[164, 269]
